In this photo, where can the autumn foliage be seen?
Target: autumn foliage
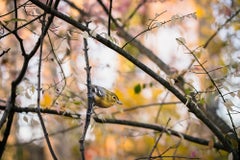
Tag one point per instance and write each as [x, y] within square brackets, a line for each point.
[173, 64]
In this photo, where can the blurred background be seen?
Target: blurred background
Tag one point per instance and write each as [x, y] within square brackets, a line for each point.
[144, 99]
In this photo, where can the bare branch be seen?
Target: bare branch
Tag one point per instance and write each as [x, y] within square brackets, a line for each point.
[202, 66]
[4, 51]
[220, 27]
[60, 66]
[158, 139]
[90, 99]
[134, 12]
[50, 135]
[39, 91]
[45, 111]
[160, 129]
[22, 5]
[145, 106]
[109, 18]
[20, 27]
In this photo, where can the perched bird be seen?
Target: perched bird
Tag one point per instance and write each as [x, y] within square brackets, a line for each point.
[104, 98]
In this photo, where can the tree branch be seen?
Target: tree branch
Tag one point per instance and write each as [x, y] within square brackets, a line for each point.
[46, 111]
[90, 98]
[160, 129]
[220, 27]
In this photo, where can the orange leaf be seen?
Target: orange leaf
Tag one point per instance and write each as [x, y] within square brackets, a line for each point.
[46, 101]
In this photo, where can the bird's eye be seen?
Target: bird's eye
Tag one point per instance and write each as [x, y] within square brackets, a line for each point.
[114, 97]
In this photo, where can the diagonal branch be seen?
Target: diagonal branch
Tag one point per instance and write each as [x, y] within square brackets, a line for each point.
[220, 27]
[12, 11]
[134, 12]
[18, 28]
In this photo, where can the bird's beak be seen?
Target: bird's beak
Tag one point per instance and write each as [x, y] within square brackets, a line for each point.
[119, 102]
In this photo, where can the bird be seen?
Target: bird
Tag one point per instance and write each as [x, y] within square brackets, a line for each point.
[104, 98]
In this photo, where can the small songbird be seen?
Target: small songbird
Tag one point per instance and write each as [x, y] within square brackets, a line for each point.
[104, 98]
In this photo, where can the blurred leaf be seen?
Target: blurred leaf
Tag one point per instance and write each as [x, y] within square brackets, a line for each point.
[20, 90]
[46, 101]
[202, 101]
[34, 122]
[27, 95]
[32, 89]
[188, 91]
[137, 89]
[77, 102]
[25, 119]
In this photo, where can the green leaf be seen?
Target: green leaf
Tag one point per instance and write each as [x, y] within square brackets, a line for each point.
[137, 88]
[77, 102]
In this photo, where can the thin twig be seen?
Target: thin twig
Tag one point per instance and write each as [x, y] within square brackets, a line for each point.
[50, 135]
[39, 95]
[167, 157]
[220, 27]
[59, 93]
[16, 14]
[145, 106]
[204, 69]
[109, 18]
[158, 139]
[20, 27]
[152, 25]
[3, 15]
[160, 108]
[134, 12]
[4, 51]
[46, 111]
[90, 99]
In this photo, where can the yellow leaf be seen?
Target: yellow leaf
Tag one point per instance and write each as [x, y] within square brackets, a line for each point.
[46, 101]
